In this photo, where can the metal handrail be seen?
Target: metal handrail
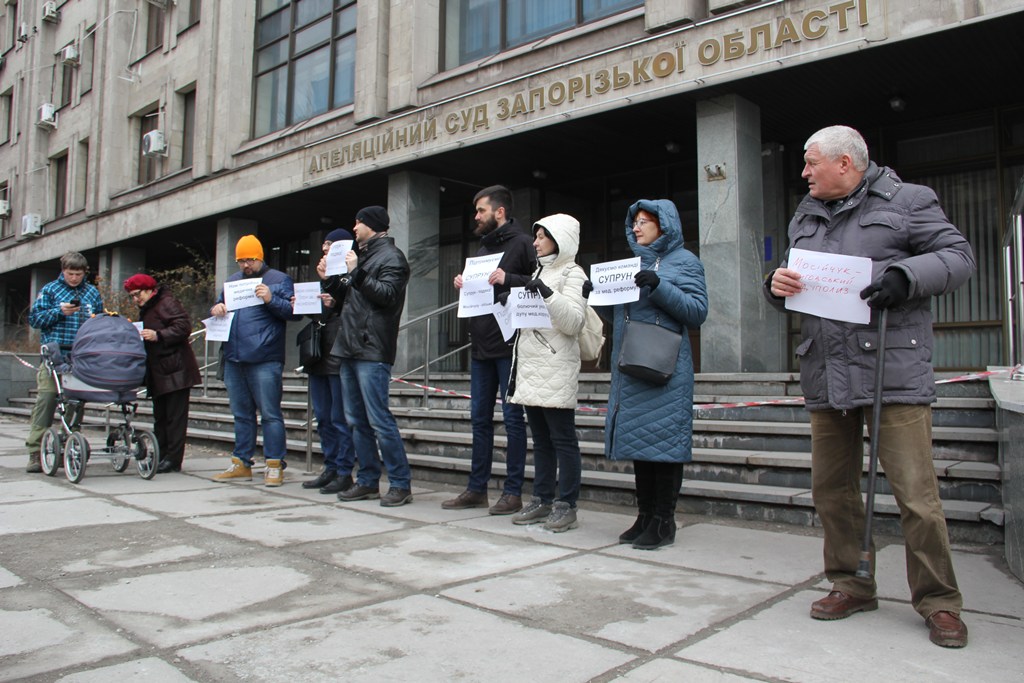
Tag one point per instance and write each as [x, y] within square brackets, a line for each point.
[425, 367]
[1013, 282]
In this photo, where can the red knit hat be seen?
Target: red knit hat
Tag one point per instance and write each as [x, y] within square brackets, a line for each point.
[139, 281]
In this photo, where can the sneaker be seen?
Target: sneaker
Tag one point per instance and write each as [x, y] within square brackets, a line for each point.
[238, 470]
[562, 518]
[507, 505]
[395, 497]
[273, 473]
[465, 500]
[34, 465]
[534, 513]
[358, 492]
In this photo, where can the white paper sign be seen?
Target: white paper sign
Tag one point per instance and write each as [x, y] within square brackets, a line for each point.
[218, 329]
[307, 299]
[139, 326]
[336, 257]
[613, 282]
[832, 285]
[242, 293]
[477, 296]
[503, 316]
[528, 309]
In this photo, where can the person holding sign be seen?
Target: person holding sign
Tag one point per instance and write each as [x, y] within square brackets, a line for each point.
[857, 208]
[546, 370]
[651, 423]
[325, 389]
[491, 363]
[171, 367]
[254, 364]
[373, 290]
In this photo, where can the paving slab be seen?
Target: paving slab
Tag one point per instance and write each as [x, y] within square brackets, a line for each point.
[755, 554]
[37, 489]
[131, 482]
[216, 500]
[671, 671]
[23, 518]
[892, 639]
[196, 601]
[150, 669]
[289, 526]
[9, 579]
[632, 603]
[984, 581]
[45, 631]
[417, 638]
[596, 529]
[432, 556]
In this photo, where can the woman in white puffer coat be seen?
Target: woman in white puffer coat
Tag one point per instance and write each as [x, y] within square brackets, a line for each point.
[545, 375]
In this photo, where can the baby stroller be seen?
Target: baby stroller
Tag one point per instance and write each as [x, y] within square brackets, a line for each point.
[107, 364]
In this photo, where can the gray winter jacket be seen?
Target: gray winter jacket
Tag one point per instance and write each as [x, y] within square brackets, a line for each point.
[896, 225]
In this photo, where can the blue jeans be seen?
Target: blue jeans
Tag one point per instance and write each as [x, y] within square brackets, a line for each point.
[335, 437]
[365, 385]
[487, 377]
[556, 454]
[251, 386]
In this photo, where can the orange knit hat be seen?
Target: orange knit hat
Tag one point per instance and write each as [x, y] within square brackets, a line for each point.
[249, 247]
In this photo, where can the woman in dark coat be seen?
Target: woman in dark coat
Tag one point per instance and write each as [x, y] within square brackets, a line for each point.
[171, 367]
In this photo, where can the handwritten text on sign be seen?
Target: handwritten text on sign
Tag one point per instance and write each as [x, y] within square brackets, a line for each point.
[832, 285]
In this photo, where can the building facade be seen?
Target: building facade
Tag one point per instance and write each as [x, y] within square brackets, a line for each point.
[143, 132]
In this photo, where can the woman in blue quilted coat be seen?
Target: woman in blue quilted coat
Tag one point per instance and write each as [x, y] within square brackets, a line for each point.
[652, 425]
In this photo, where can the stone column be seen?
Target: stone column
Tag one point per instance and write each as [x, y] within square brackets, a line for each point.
[414, 204]
[732, 238]
[124, 262]
[229, 231]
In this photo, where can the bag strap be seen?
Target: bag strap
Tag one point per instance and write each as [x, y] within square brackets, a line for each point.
[657, 314]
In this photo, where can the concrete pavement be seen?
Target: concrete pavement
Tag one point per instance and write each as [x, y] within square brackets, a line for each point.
[183, 579]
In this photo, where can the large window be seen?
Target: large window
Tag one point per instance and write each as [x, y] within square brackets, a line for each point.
[477, 28]
[305, 60]
[60, 185]
[149, 167]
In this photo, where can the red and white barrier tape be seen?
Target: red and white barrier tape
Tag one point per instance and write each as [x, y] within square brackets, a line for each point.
[798, 400]
[18, 358]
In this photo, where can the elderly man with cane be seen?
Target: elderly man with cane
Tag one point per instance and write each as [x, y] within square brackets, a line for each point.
[857, 208]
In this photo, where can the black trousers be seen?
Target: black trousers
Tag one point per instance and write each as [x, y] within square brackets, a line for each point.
[657, 486]
[170, 421]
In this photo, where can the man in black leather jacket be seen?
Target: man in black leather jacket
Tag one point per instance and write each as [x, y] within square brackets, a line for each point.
[374, 294]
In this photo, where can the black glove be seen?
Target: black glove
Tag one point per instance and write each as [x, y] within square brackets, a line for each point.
[891, 291]
[503, 298]
[647, 278]
[537, 285]
[588, 287]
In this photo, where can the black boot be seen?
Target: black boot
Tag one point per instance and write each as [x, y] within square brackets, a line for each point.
[337, 485]
[633, 532]
[660, 531]
[323, 479]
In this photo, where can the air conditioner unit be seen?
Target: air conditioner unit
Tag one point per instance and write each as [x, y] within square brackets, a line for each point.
[10, 2]
[31, 225]
[50, 12]
[47, 116]
[23, 33]
[69, 55]
[154, 144]
[162, 4]
[5, 208]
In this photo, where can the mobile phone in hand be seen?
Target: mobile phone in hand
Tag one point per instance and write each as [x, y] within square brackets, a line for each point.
[75, 302]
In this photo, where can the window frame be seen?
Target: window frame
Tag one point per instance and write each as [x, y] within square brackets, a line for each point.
[338, 37]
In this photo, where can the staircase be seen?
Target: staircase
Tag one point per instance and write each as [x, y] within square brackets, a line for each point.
[751, 462]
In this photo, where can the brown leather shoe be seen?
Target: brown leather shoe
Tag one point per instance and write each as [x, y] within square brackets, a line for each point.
[507, 505]
[946, 629]
[465, 500]
[839, 605]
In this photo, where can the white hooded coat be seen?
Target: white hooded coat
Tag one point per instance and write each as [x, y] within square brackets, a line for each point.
[546, 362]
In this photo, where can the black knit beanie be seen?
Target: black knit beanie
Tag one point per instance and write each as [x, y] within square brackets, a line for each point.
[374, 217]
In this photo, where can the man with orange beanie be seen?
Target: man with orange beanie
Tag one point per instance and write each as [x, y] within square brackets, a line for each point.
[254, 364]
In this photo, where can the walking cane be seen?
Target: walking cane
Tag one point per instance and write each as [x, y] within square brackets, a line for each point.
[864, 566]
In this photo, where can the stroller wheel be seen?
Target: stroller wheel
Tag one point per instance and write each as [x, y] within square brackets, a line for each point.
[50, 451]
[148, 457]
[76, 452]
[120, 448]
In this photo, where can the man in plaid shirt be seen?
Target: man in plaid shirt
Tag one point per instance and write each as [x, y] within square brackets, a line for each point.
[58, 311]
